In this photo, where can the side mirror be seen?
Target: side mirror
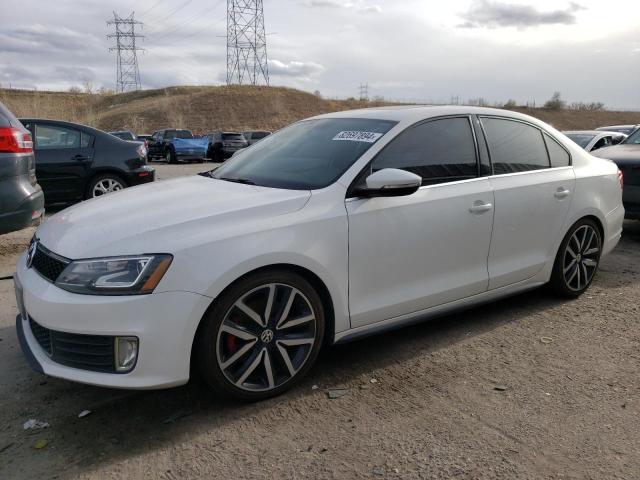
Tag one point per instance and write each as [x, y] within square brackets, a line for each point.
[390, 182]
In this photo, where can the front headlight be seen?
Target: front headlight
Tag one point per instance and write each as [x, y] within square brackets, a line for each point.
[128, 275]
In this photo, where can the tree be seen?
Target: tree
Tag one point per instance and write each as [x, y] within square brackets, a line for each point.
[510, 105]
[555, 102]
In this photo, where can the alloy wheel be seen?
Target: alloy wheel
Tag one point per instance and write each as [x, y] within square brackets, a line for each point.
[266, 337]
[581, 258]
[106, 185]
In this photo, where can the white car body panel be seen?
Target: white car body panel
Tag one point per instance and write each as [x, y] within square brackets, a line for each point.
[528, 220]
[395, 241]
[384, 261]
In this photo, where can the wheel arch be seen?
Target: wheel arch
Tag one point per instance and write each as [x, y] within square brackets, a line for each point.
[307, 274]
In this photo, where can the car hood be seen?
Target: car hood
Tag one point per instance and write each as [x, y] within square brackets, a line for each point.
[163, 217]
[620, 154]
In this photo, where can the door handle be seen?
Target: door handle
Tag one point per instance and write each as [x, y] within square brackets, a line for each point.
[480, 207]
[81, 157]
[562, 193]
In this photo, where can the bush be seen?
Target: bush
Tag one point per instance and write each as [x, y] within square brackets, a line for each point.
[590, 107]
[555, 103]
[510, 105]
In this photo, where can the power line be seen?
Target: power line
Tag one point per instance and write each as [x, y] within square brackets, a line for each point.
[246, 43]
[151, 7]
[127, 72]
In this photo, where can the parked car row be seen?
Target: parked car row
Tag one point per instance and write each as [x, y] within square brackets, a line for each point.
[621, 145]
[179, 145]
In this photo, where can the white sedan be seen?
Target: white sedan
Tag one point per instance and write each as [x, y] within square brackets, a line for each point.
[335, 227]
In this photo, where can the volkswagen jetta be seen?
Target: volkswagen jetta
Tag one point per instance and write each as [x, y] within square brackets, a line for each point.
[335, 227]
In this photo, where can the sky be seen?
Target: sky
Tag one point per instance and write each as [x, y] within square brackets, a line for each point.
[411, 50]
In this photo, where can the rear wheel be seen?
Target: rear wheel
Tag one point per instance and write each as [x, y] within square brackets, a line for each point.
[104, 184]
[577, 260]
[262, 336]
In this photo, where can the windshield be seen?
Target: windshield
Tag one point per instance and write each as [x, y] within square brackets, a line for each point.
[184, 134]
[581, 139]
[634, 138]
[305, 156]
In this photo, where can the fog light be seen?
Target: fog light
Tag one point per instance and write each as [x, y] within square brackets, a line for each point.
[126, 353]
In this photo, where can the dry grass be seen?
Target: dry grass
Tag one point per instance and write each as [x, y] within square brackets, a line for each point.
[204, 109]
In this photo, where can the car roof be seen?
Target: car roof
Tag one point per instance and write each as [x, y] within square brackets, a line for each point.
[408, 114]
[62, 123]
[632, 125]
[591, 132]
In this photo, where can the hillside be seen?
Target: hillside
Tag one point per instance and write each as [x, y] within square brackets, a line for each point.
[204, 109]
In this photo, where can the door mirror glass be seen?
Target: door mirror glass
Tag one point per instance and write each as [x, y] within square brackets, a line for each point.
[390, 182]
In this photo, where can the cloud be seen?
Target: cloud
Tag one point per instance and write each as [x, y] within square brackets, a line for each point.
[300, 70]
[491, 14]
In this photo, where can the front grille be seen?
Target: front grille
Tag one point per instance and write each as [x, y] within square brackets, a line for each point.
[87, 352]
[48, 264]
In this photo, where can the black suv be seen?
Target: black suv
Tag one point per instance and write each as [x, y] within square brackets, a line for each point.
[76, 162]
[223, 145]
[21, 198]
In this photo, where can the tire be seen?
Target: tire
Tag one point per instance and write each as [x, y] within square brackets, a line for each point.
[170, 156]
[104, 184]
[245, 358]
[577, 259]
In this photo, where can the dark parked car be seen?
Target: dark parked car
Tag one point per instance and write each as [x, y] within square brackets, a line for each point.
[124, 135]
[253, 136]
[176, 145]
[627, 156]
[21, 198]
[75, 162]
[223, 145]
[626, 129]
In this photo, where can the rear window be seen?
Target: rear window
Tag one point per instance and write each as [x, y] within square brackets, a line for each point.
[183, 134]
[233, 136]
[7, 118]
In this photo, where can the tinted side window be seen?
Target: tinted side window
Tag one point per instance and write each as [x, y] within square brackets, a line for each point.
[49, 137]
[559, 156]
[169, 134]
[514, 146]
[439, 151]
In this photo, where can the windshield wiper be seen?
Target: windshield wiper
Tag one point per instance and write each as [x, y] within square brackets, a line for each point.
[246, 181]
[207, 174]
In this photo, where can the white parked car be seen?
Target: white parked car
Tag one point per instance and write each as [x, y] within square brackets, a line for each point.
[335, 227]
[592, 140]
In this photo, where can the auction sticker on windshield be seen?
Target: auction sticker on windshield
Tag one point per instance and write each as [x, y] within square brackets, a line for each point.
[353, 136]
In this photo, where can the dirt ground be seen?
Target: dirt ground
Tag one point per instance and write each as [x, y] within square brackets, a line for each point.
[528, 387]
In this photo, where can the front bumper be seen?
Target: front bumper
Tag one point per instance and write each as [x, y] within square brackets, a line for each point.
[164, 323]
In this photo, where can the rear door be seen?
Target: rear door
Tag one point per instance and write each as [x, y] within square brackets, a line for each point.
[533, 185]
[63, 160]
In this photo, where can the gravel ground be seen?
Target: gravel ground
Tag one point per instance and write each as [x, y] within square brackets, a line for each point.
[528, 387]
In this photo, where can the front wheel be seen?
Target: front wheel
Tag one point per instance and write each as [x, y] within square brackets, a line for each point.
[262, 336]
[577, 260]
[170, 157]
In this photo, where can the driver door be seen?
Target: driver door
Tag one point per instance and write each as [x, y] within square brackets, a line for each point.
[410, 253]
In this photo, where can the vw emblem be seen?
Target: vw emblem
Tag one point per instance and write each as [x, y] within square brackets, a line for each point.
[31, 252]
[266, 336]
